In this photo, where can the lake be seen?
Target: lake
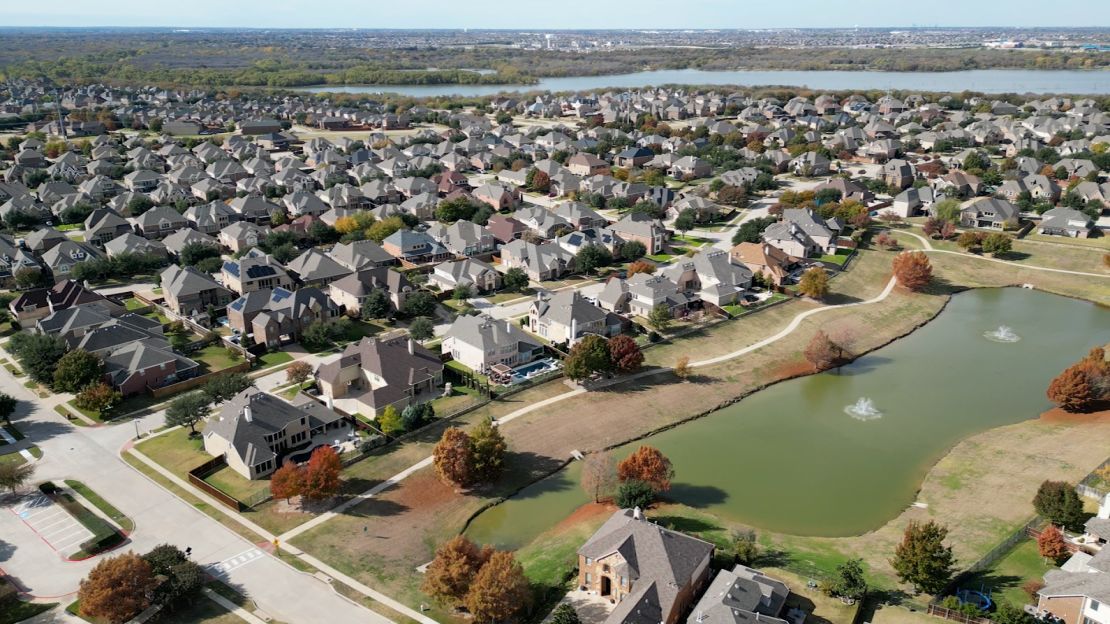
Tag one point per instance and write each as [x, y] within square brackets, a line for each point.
[792, 459]
[984, 80]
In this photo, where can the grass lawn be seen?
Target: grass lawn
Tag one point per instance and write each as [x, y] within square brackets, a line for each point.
[502, 297]
[839, 258]
[691, 240]
[70, 405]
[660, 257]
[132, 303]
[273, 358]
[1101, 242]
[1004, 580]
[14, 610]
[69, 227]
[357, 329]
[158, 316]
[200, 611]
[14, 459]
[233, 483]
[215, 357]
[175, 451]
[95, 499]
[461, 397]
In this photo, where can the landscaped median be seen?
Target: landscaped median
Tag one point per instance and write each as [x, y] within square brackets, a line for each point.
[104, 536]
[97, 501]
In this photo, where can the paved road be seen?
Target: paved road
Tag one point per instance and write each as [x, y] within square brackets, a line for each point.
[92, 455]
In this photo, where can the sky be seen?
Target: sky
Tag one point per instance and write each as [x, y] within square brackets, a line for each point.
[557, 14]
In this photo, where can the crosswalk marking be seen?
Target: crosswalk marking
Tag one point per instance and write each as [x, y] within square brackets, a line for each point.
[222, 568]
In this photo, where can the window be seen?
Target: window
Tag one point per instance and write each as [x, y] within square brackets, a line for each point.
[1094, 605]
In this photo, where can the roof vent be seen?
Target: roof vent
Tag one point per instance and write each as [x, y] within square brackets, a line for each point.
[247, 413]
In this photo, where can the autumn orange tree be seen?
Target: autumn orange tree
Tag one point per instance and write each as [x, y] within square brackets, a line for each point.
[625, 353]
[321, 477]
[500, 590]
[640, 266]
[1051, 544]
[912, 270]
[298, 372]
[814, 283]
[648, 465]
[450, 574]
[117, 589]
[287, 481]
[452, 458]
[822, 352]
[1082, 385]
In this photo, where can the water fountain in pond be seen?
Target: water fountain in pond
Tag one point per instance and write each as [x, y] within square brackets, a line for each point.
[1002, 334]
[863, 409]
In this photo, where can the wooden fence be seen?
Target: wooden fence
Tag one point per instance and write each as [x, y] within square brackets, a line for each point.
[955, 616]
[197, 475]
[199, 380]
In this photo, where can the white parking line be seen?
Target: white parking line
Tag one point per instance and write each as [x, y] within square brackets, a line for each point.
[52, 523]
[236, 561]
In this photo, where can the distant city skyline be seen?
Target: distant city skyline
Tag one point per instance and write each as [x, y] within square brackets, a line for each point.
[568, 14]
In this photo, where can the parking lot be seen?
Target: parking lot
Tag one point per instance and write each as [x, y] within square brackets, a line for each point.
[53, 524]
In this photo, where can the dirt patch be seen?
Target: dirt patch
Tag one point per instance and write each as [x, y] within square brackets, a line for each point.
[1058, 415]
[789, 370]
[584, 513]
[426, 489]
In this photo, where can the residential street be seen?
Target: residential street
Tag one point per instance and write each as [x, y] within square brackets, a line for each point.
[91, 454]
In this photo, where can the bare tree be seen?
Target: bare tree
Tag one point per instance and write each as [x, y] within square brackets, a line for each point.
[599, 475]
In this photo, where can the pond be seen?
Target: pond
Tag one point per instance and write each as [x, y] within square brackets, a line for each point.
[1092, 82]
[845, 451]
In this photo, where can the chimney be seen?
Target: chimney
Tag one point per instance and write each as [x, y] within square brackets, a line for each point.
[412, 347]
[573, 328]
[247, 413]
[508, 326]
[637, 514]
[1104, 507]
[328, 402]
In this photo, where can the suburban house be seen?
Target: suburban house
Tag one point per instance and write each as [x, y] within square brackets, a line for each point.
[269, 314]
[189, 292]
[642, 293]
[255, 431]
[988, 213]
[464, 238]
[61, 258]
[159, 222]
[743, 594]
[801, 234]
[252, 271]
[103, 225]
[415, 247]
[350, 292]
[586, 164]
[480, 276]
[373, 374]
[315, 268]
[41, 302]
[649, 573]
[479, 343]
[132, 244]
[565, 317]
[637, 226]
[764, 258]
[242, 235]
[177, 241]
[633, 157]
[497, 196]
[363, 254]
[580, 216]
[711, 277]
[1066, 222]
[542, 262]
[136, 360]
[210, 218]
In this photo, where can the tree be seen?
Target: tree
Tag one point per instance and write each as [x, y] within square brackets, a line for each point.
[633, 250]
[814, 283]
[14, 476]
[599, 475]
[452, 571]
[499, 590]
[77, 369]
[848, 582]
[822, 352]
[181, 578]
[117, 589]
[416, 415]
[969, 240]
[639, 266]
[912, 270]
[419, 303]
[8, 404]
[1006, 613]
[389, 421]
[660, 317]
[634, 493]
[29, 277]
[287, 481]
[745, 548]
[223, 387]
[1072, 390]
[321, 477]
[625, 354]
[1051, 544]
[948, 210]
[922, 559]
[98, 397]
[515, 279]
[564, 614]
[187, 410]
[588, 356]
[452, 458]
[1057, 502]
[932, 227]
[193, 253]
[686, 220]
[487, 451]
[682, 367]
[736, 196]
[752, 231]
[997, 244]
[463, 292]
[298, 372]
[38, 354]
[649, 465]
[376, 305]
[318, 335]
[421, 328]
[592, 257]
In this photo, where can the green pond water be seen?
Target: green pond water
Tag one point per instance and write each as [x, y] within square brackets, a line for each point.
[795, 459]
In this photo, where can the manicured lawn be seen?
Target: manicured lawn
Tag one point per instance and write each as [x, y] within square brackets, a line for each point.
[158, 316]
[357, 329]
[504, 296]
[15, 459]
[691, 240]
[14, 610]
[132, 303]
[273, 358]
[1101, 242]
[88, 413]
[1004, 580]
[660, 257]
[68, 227]
[116, 515]
[460, 398]
[234, 484]
[215, 357]
[839, 258]
[200, 611]
[175, 451]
